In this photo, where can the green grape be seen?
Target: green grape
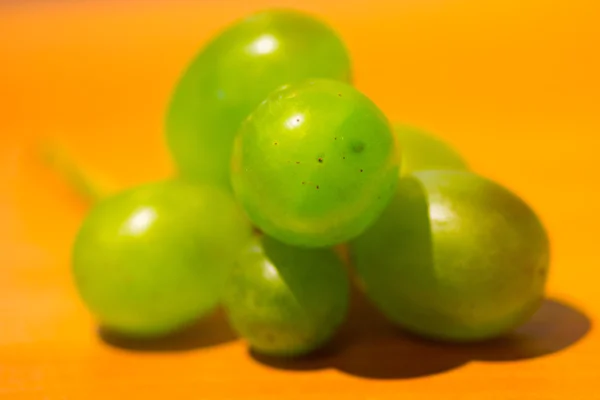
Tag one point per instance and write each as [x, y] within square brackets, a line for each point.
[423, 151]
[233, 73]
[284, 300]
[454, 257]
[153, 258]
[315, 163]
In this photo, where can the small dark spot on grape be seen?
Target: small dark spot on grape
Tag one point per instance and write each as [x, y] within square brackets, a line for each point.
[275, 143]
[297, 162]
[378, 197]
[344, 158]
[339, 94]
[358, 147]
[334, 138]
[320, 159]
[297, 119]
[303, 183]
[361, 170]
[317, 186]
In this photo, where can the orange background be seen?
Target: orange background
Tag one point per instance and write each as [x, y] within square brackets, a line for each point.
[513, 84]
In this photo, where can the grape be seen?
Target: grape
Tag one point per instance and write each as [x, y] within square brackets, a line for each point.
[233, 73]
[423, 151]
[315, 163]
[455, 257]
[285, 300]
[153, 258]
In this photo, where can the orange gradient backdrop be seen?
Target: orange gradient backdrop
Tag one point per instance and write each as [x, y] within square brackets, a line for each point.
[513, 84]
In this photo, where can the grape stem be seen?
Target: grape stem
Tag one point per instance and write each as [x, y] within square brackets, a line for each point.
[88, 185]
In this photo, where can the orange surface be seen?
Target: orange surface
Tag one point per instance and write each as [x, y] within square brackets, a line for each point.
[513, 84]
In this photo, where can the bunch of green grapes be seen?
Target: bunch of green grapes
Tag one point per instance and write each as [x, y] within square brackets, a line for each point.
[281, 161]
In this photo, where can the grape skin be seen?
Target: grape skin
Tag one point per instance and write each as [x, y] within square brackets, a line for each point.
[285, 300]
[153, 258]
[315, 163]
[455, 257]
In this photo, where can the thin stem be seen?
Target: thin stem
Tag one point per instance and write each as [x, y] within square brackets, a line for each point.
[88, 185]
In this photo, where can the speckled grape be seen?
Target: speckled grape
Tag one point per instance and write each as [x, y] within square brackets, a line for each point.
[315, 163]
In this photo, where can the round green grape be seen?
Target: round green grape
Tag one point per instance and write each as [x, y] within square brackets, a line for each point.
[153, 258]
[422, 151]
[454, 257]
[233, 73]
[315, 163]
[285, 300]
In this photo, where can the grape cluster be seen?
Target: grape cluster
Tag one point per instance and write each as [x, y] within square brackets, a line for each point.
[280, 159]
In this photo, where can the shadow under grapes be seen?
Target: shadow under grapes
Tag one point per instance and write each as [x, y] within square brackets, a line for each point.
[368, 346]
[556, 326]
[210, 331]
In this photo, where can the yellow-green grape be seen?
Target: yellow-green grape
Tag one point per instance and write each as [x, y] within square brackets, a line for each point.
[233, 73]
[455, 257]
[151, 259]
[285, 300]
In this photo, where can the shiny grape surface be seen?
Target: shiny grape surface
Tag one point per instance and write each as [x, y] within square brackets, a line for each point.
[454, 257]
[315, 163]
[153, 258]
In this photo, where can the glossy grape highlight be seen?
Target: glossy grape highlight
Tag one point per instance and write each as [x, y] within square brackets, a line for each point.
[315, 163]
[153, 258]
